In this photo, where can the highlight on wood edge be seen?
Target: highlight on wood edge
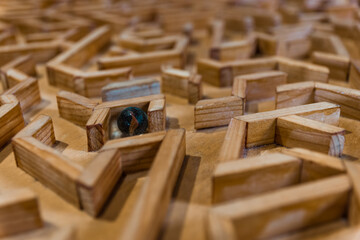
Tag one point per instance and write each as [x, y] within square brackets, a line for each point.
[301, 180]
[88, 187]
[318, 131]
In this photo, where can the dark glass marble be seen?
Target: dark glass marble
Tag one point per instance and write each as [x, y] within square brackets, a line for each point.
[132, 121]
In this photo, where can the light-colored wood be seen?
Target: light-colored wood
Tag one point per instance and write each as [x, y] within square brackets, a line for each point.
[148, 63]
[300, 71]
[154, 198]
[64, 70]
[98, 179]
[24, 88]
[48, 166]
[217, 112]
[261, 126]
[316, 165]
[19, 212]
[304, 93]
[156, 115]
[258, 86]
[286, 210]
[353, 170]
[130, 89]
[234, 141]
[75, 108]
[295, 131]
[11, 118]
[339, 66]
[97, 128]
[294, 94]
[254, 175]
[235, 50]
[181, 83]
[137, 152]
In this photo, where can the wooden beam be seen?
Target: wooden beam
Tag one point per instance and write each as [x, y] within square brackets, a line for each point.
[294, 94]
[339, 66]
[295, 131]
[154, 199]
[329, 196]
[75, 108]
[254, 175]
[130, 89]
[217, 112]
[97, 129]
[20, 212]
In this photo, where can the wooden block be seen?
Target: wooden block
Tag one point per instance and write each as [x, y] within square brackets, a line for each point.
[347, 98]
[181, 83]
[280, 214]
[48, 166]
[354, 76]
[154, 199]
[249, 66]
[137, 152]
[26, 90]
[300, 71]
[294, 94]
[316, 165]
[353, 170]
[11, 118]
[295, 131]
[234, 141]
[97, 129]
[235, 50]
[20, 212]
[214, 72]
[148, 63]
[156, 115]
[254, 175]
[130, 89]
[261, 126]
[25, 64]
[41, 128]
[75, 108]
[217, 112]
[195, 89]
[339, 66]
[259, 86]
[98, 179]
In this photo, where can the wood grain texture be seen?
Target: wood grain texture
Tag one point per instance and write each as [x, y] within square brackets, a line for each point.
[20, 212]
[217, 112]
[295, 131]
[151, 206]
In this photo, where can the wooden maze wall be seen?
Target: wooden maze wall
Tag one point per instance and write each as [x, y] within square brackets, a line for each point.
[253, 119]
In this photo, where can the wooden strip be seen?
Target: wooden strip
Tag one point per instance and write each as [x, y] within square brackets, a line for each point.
[234, 142]
[19, 212]
[41, 128]
[299, 206]
[156, 115]
[295, 131]
[316, 165]
[175, 82]
[98, 179]
[11, 118]
[299, 71]
[294, 94]
[75, 108]
[217, 112]
[195, 89]
[130, 89]
[261, 126]
[48, 166]
[97, 128]
[339, 66]
[353, 170]
[214, 72]
[260, 86]
[251, 176]
[154, 199]
[137, 152]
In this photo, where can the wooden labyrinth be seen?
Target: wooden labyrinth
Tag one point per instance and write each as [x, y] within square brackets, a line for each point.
[251, 127]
